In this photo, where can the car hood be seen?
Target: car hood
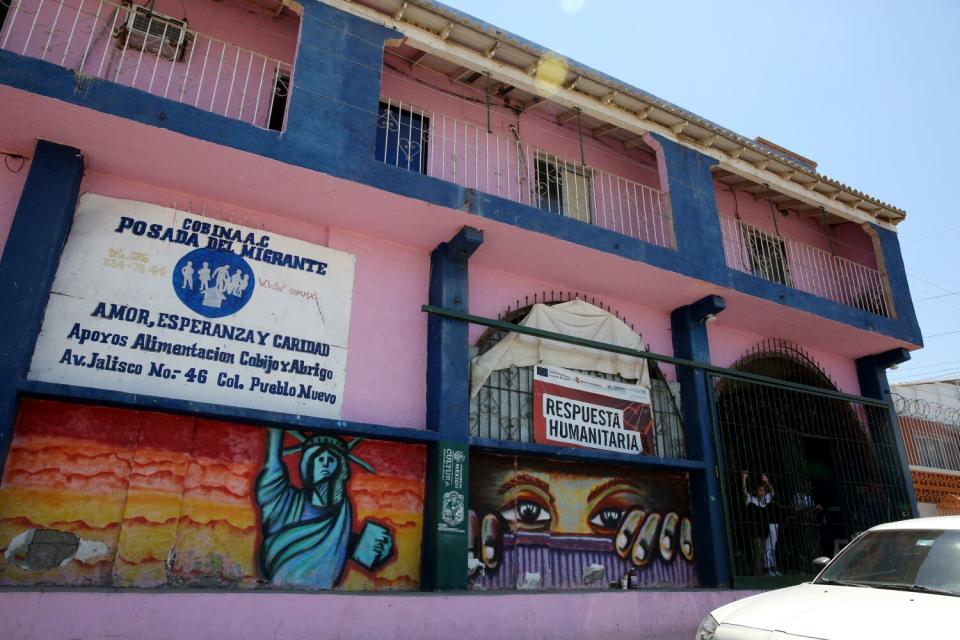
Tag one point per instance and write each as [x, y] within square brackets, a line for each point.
[844, 613]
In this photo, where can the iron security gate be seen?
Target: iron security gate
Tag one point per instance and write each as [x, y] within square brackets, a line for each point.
[802, 472]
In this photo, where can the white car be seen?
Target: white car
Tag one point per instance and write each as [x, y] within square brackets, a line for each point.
[896, 581]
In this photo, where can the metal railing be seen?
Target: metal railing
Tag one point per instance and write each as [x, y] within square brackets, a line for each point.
[795, 264]
[132, 46]
[931, 444]
[470, 156]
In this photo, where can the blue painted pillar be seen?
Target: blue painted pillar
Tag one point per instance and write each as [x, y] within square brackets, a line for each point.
[336, 88]
[887, 248]
[37, 235]
[690, 342]
[448, 390]
[885, 429]
[693, 203]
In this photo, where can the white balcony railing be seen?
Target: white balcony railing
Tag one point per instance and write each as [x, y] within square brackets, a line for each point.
[470, 156]
[788, 262]
[148, 51]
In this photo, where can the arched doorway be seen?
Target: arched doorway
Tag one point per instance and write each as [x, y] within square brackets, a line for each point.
[502, 410]
[802, 472]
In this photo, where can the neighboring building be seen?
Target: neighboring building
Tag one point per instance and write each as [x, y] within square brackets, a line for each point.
[251, 247]
[929, 416]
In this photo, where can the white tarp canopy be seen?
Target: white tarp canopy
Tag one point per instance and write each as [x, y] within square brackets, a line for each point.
[577, 319]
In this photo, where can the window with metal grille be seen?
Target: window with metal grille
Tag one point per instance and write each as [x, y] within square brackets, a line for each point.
[278, 106]
[563, 187]
[154, 33]
[402, 136]
[768, 255]
[938, 452]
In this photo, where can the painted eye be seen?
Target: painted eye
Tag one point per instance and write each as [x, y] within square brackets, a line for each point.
[607, 518]
[527, 513]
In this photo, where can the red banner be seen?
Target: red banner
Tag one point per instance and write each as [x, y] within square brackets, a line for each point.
[575, 410]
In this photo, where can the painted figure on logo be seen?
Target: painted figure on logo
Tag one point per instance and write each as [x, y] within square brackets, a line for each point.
[308, 530]
[204, 274]
[187, 272]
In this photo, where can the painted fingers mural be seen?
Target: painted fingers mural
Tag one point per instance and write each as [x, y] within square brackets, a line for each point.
[544, 524]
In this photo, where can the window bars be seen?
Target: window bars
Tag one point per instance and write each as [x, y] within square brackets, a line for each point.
[135, 47]
[795, 264]
[469, 155]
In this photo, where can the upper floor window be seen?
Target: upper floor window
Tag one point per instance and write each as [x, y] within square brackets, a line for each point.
[402, 136]
[563, 187]
[768, 256]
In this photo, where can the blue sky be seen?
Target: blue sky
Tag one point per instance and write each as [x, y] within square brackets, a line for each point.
[869, 90]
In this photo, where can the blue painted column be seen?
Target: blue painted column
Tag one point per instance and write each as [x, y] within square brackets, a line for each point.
[448, 413]
[37, 235]
[332, 117]
[884, 427]
[690, 342]
[887, 246]
[693, 203]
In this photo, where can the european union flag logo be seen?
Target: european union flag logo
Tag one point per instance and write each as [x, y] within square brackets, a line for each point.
[542, 371]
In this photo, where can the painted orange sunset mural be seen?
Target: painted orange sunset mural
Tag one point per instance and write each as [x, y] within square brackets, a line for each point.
[100, 496]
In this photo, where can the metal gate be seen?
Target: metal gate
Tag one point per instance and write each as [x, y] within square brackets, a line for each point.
[802, 472]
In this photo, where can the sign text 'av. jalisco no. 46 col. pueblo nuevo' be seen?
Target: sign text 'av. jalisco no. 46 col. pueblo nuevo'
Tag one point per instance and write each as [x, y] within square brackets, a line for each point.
[154, 301]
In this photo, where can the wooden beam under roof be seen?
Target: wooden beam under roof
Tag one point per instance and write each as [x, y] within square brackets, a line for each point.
[463, 75]
[564, 118]
[741, 184]
[537, 101]
[602, 130]
[417, 57]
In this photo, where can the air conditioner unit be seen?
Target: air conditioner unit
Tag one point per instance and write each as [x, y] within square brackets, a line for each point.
[152, 32]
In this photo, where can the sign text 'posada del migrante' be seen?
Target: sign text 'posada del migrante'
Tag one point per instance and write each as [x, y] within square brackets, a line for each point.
[154, 301]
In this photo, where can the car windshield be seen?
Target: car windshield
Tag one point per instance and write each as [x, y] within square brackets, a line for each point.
[918, 560]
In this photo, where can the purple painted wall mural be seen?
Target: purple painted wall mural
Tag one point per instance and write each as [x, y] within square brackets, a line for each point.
[543, 524]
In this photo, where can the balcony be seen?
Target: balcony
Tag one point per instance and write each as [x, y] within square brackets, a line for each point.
[471, 156]
[147, 49]
[786, 261]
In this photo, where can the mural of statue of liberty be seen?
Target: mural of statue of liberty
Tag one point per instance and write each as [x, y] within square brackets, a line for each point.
[308, 530]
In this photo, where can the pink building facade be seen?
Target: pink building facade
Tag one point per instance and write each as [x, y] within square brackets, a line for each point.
[293, 290]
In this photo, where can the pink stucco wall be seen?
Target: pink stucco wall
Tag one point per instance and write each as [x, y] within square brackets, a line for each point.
[651, 615]
[12, 176]
[727, 345]
[386, 362]
[386, 366]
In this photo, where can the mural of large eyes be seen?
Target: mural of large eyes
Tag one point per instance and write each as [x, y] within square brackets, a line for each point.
[610, 508]
[527, 512]
[605, 519]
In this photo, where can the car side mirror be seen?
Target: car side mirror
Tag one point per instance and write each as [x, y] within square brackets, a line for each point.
[821, 562]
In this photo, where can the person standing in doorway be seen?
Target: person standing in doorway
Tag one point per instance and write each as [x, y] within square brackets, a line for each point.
[764, 532]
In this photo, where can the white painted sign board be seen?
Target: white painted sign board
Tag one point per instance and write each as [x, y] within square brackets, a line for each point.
[154, 301]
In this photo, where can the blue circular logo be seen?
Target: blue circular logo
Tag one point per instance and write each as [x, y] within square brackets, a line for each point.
[213, 283]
